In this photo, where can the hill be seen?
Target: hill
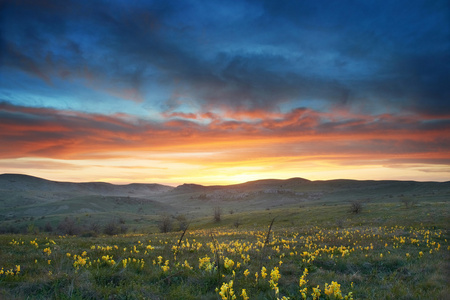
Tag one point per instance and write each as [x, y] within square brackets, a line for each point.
[26, 200]
[394, 246]
[19, 182]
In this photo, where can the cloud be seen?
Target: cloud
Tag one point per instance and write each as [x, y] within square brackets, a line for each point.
[253, 56]
[298, 134]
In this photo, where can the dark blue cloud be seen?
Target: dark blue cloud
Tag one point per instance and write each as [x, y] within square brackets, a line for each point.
[392, 55]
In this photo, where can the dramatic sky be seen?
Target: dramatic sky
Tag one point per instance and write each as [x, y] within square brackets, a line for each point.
[219, 92]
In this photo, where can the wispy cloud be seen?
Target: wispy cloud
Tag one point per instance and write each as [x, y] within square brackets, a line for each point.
[301, 132]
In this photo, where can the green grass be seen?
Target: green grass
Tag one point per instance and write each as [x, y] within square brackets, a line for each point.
[374, 255]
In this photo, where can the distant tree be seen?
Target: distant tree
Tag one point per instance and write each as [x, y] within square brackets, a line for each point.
[217, 214]
[165, 224]
[48, 227]
[203, 197]
[68, 226]
[356, 207]
[340, 223]
[94, 227]
[182, 222]
[31, 228]
[408, 202]
[123, 229]
[113, 228]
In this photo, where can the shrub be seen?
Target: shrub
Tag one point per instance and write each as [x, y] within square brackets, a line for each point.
[68, 226]
[356, 207]
[31, 229]
[48, 227]
[217, 214]
[182, 222]
[113, 228]
[165, 224]
[408, 202]
[94, 227]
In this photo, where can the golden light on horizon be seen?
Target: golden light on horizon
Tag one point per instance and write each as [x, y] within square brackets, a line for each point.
[168, 172]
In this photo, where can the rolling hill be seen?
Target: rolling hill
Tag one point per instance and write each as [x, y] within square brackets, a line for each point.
[26, 200]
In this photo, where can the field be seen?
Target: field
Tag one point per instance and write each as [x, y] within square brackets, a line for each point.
[294, 240]
[356, 260]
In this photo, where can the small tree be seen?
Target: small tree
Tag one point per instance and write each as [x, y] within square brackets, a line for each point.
[31, 228]
[217, 214]
[68, 226]
[48, 227]
[111, 228]
[94, 227]
[408, 202]
[182, 222]
[356, 207]
[165, 224]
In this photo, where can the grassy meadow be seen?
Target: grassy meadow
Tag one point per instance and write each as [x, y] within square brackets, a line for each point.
[388, 250]
[268, 239]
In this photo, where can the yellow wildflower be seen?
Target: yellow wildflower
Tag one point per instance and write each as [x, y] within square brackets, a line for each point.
[228, 263]
[333, 289]
[263, 272]
[246, 272]
[316, 293]
[48, 251]
[244, 295]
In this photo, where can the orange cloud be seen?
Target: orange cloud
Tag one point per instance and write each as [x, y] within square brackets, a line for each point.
[299, 137]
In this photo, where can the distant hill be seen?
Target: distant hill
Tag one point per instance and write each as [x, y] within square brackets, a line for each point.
[26, 200]
[250, 185]
[19, 182]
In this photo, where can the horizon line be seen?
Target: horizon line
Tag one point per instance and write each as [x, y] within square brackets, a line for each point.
[222, 185]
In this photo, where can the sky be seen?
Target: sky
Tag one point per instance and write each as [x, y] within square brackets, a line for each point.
[223, 92]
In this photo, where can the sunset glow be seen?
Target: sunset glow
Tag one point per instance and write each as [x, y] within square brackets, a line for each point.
[222, 93]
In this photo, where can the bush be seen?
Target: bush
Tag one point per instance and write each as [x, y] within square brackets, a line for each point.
[68, 226]
[408, 202]
[48, 227]
[113, 228]
[165, 224]
[94, 227]
[356, 207]
[32, 229]
[182, 222]
[217, 214]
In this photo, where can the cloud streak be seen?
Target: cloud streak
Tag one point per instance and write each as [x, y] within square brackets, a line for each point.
[301, 132]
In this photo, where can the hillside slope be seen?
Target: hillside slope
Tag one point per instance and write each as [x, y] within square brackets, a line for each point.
[26, 199]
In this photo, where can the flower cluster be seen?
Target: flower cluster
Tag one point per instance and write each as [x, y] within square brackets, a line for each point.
[226, 291]
[274, 277]
[11, 272]
[109, 260]
[228, 263]
[48, 251]
[233, 257]
[205, 263]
